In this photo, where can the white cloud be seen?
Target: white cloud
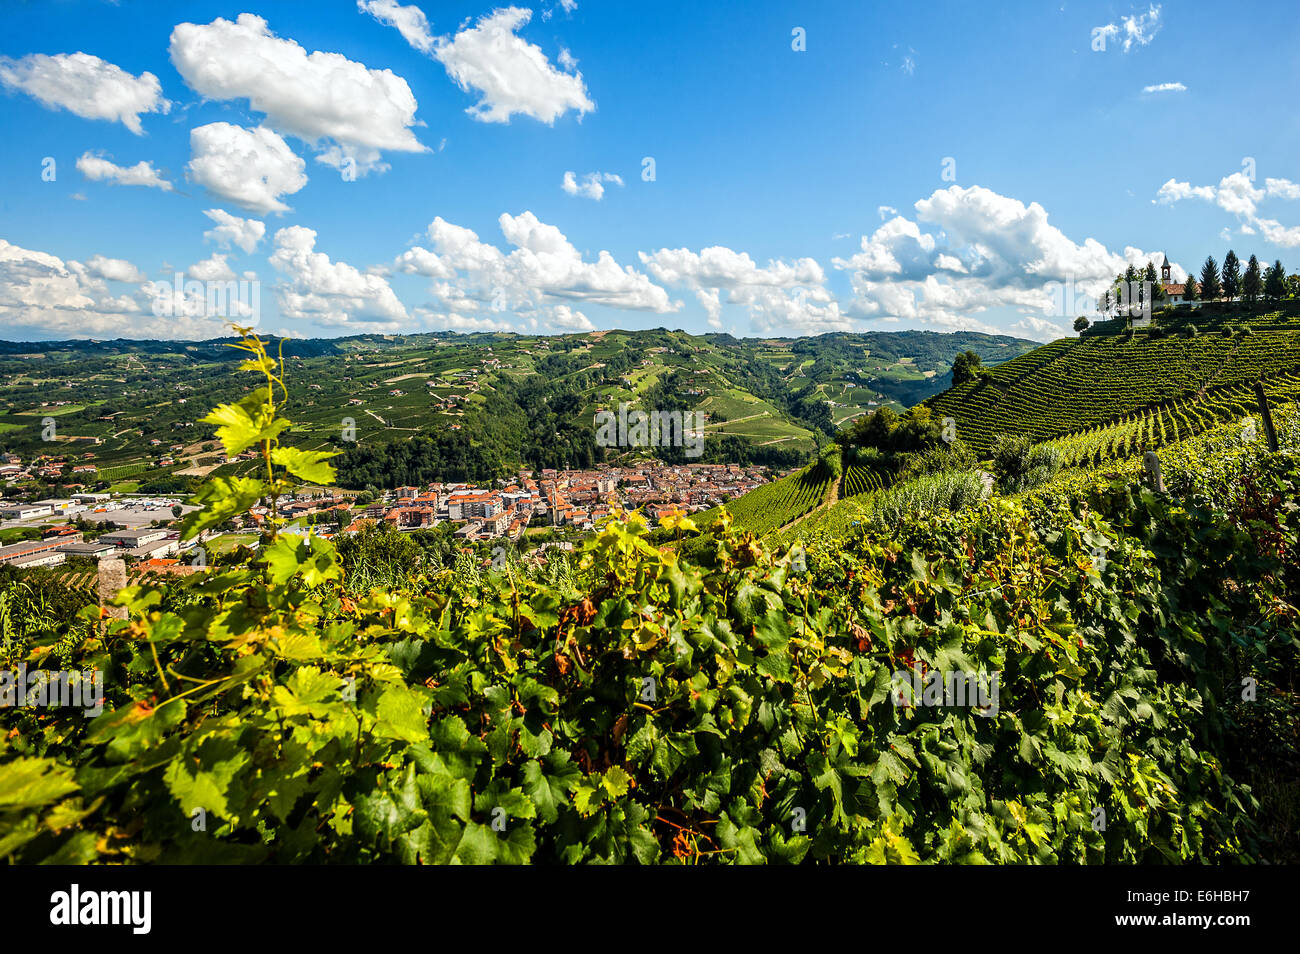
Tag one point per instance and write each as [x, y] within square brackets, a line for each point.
[980, 251]
[783, 295]
[44, 295]
[1279, 234]
[544, 269]
[432, 320]
[339, 106]
[250, 167]
[591, 186]
[1040, 329]
[1165, 88]
[86, 86]
[212, 269]
[885, 211]
[1238, 195]
[141, 174]
[232, 230]
[1174, 191]
[420, 261]
[569, 319]
[1135, 29]
[510, 74]
[330, 293]
[408, 21]
[114, 269]
[898, 240]
[1282, 188]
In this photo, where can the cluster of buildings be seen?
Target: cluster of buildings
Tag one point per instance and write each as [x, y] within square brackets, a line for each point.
[577, 499]
[561, 498]
[63, 541]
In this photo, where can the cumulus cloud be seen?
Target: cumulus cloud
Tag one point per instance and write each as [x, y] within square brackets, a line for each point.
[510, 74]
[233, 230]
[45, 296]
[1165, 88]
[542, 271]
[114, 269]
[212, 269]
[1175, 191]
[330, 293]
[433, 320]
[972, 250]
[1237, 195]
[1135, 30]
[142, 173]
[569, 319]
[421, 261]
[408, 21]
[339, 106]
[782, 295]
[250, 167]
[1040, 329]
[86, 86]
[1282, 188]
[591, 186]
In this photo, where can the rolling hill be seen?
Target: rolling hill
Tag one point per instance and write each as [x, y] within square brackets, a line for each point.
[494, 401]
[1095, 381]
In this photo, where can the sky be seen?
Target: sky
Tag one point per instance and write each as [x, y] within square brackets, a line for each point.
[340, 167]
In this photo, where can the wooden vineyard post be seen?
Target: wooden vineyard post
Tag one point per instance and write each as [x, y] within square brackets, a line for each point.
[1151, 466]
[112, 580]
[1267, 415]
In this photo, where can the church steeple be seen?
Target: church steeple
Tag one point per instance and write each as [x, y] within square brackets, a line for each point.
[1164, 272]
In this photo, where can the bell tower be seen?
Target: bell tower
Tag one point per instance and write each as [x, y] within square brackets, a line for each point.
[1164, 272]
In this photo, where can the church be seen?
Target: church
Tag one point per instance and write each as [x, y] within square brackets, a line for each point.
[1175, 294]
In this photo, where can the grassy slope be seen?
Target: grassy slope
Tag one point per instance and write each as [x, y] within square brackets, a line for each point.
[1078, 383]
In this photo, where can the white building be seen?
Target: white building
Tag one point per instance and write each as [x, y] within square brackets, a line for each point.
[26, 511]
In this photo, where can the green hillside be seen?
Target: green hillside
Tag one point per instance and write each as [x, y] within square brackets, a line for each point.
[481, 404]
[1061, 411]
[944, 678]
[1079, 383]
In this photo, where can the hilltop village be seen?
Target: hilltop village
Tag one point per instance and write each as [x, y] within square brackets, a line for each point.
[145, 530]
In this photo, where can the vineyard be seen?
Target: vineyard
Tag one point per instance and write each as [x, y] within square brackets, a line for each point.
[774, 505]
[121, 472]
[1091, 382]
[1160, 426]
[861, 480]
[752, 708]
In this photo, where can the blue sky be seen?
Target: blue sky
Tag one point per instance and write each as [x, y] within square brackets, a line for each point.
[401, 167]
